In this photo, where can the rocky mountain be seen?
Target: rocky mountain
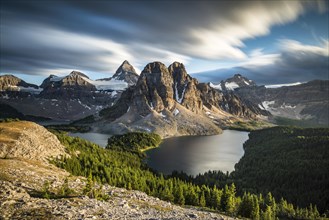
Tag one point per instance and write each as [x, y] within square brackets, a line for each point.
[75, 80]
[170, 102]
[69, 97]
[10, 83]
[307, 101]
[237, 81]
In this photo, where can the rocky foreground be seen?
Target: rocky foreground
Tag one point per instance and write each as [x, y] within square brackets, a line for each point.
[25, 179]
[16, 203]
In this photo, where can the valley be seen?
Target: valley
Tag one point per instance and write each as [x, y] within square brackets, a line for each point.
[120, 166]
[164, 110]
[199, 162]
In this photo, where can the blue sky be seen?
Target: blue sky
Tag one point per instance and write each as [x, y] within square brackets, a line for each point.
[267, 41]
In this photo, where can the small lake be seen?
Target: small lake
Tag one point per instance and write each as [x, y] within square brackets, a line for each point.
[97, 138]
[191, 154]
[198, 154]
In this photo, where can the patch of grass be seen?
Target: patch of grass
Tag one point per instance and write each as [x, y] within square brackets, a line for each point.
[249, 125]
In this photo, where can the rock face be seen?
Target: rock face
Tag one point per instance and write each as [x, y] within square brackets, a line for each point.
[12, 83]
[29, 141]
[185, 88]
[307, 101]
[170, 102]
[228, 101]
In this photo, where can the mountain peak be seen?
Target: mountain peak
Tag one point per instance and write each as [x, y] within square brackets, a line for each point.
[77, 73]
[13, 83]
[155, 67]
[125, 67]
[125, 62]
[235, 82]
[126, 72]
[238, 75]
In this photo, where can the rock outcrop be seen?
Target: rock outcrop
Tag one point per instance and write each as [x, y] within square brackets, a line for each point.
[29, 141]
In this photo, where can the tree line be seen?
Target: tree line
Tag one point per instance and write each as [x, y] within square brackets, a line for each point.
[127, 169]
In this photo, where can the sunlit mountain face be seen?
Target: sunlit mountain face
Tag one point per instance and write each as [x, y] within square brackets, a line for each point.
[270, 42]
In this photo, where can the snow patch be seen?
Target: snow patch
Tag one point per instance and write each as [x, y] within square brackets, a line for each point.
[86, 106]
[284, 106]
[176, 112]
[128, 109]
[245, 82]
[31, 90]
[162, 115]
[266, 104]
[56, 78]
[219, 87]
[5, 96]
[231, 85]
[112, 84]
[179, 99]
[281, 85]
[151, 105]
[261, 107]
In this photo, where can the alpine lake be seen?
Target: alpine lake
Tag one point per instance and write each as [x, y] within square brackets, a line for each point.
[190, 154]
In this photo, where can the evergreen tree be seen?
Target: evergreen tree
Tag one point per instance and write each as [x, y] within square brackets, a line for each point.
[202, 200]
[179, 196]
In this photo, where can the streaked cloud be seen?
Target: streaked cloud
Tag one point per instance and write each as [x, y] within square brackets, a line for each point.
[294, 62]
[96, 36]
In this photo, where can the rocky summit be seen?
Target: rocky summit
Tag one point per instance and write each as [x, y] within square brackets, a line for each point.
[25, 178]
[170, 102]
[127, 73]
[14, 84]
[237, 81]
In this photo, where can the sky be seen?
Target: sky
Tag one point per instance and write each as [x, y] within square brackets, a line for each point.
[270, 42]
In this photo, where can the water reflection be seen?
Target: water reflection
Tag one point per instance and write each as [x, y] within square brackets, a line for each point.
[198, 154]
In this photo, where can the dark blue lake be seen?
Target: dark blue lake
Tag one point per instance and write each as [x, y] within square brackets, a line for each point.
[198, 154]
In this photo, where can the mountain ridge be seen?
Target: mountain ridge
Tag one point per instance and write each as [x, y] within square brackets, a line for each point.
[163, 94]
[165, 98]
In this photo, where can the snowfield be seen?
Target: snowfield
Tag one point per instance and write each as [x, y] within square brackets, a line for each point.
[281, 85]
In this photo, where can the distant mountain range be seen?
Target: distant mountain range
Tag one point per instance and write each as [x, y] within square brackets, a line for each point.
[66, 98]
[165, 100]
